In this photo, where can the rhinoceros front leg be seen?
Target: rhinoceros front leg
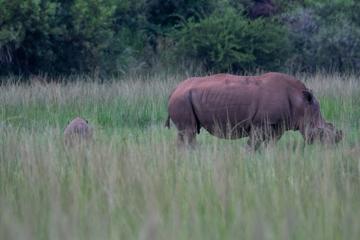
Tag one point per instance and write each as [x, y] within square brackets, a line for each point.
[186, 138]
[261, 136]
[253, 143]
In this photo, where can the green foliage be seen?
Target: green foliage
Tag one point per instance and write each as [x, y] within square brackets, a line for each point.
[26, 27]
[170, 12]
[127, 48]
[162, 16]
[325, 34]
[121, 36]
[241, 5]
[63, 37]
[88, 33]
[229, 41]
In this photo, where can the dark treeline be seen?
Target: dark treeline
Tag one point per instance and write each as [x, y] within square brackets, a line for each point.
[106, 37]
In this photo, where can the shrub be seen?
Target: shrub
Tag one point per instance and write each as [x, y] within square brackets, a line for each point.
[228, 41]
[325, 34]
[163, 15]
[64, 37]
[28, 29]
[118, 36]
[167, 13]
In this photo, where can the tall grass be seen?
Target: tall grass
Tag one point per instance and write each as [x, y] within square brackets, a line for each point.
[133, 183]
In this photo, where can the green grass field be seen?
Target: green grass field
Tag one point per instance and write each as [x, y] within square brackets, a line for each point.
[133, 183]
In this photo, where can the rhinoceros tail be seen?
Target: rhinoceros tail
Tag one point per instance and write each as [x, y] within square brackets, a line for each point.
[167, 123]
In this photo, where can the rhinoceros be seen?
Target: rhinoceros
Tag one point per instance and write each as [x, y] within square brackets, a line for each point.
[77, 131]
[259, 107]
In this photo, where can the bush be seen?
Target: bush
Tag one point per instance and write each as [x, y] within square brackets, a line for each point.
[228, 41]
[118, 36]
[325, 34]
[126, 50]
[28, 31]
[64, 37]
[163, 15]
[167, 13]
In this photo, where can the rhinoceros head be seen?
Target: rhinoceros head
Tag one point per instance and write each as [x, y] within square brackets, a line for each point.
[316, 128]
[326, 133]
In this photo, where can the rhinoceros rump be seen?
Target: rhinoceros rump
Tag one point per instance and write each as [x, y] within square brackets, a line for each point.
[259, 107]
[77, 131]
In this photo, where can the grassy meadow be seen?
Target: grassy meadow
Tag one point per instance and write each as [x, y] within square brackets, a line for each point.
[133, 183]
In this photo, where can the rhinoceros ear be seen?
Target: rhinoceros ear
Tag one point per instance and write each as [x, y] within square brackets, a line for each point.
[309, 97]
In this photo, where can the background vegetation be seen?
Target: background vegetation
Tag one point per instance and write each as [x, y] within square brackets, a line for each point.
[133, 183]
[107, 37]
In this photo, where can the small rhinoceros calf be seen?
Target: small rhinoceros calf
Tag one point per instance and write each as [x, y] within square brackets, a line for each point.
[77, 131]
[259, 107]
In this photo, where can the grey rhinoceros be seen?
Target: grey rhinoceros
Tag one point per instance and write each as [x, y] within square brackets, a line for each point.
[259, 107]
[78, 131]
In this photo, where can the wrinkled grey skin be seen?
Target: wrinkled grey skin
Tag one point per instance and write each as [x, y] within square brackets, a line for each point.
[259, 107]
[78, 131]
